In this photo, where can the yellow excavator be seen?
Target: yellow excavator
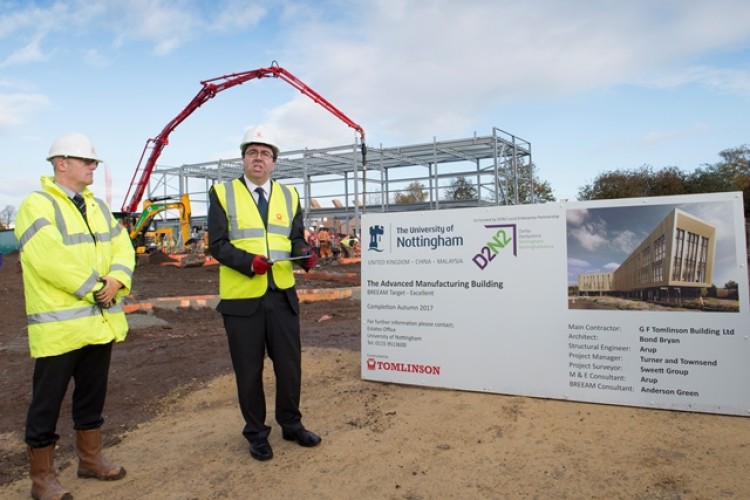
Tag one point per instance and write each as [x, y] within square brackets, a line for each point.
[151, 207]
[158, 240]
[162, 240]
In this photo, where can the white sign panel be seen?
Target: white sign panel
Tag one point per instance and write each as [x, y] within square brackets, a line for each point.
[639, 302]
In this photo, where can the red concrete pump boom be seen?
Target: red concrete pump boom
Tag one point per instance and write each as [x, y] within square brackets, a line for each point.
[209, 90]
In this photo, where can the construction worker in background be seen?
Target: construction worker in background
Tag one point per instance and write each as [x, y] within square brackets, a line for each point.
[335, 244]
[78, 264]
[345, 249]
[348, 246]
[255, 225]
[324, 238]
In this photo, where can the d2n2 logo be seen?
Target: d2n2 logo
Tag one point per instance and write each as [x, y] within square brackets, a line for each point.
[504, 237]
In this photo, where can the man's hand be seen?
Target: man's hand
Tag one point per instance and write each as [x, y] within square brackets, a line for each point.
[311, 259]
[261, 264]
[105, 297]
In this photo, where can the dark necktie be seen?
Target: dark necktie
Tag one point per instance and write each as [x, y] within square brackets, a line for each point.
[262, 204]
[80, 204]
[263, 209]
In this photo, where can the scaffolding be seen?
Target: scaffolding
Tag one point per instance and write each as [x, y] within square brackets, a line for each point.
[332, 182]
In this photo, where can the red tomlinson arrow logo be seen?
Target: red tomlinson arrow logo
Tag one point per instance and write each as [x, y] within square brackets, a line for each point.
[373, 364]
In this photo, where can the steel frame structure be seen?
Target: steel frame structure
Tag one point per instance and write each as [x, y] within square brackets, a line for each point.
[493, 164]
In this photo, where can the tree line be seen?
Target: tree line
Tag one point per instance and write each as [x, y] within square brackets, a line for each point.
[731, 173]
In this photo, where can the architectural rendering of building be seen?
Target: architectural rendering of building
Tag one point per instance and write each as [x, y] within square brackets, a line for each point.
[675, 261]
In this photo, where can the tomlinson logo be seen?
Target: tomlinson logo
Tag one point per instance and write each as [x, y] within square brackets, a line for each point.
[373, 364]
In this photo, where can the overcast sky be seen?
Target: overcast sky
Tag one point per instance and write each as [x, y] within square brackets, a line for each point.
[592, 85]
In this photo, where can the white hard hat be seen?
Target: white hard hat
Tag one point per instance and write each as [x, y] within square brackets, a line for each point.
[75, 145]
[260, 135]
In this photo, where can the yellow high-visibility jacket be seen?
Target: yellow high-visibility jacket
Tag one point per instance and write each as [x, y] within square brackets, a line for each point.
[62, 259]
[247, 232]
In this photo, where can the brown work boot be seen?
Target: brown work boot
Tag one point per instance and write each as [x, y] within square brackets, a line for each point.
[44, 483]
[91, 462]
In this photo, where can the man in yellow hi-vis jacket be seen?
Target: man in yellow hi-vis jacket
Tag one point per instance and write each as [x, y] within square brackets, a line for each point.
[255, 226]
[78, 264]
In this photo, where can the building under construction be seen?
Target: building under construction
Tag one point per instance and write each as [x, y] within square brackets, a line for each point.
[333, 182]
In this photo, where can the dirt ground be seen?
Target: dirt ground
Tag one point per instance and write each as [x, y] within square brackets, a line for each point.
[172, 420]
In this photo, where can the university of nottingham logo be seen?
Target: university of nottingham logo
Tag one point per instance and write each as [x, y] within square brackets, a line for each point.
[376, 234]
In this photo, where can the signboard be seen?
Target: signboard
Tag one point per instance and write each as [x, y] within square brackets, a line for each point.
[638, 302]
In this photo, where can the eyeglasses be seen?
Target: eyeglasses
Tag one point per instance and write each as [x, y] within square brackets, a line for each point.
[263, 153]
[86, 161]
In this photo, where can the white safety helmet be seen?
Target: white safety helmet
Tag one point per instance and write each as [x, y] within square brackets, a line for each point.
[260, 135]
[73, 145]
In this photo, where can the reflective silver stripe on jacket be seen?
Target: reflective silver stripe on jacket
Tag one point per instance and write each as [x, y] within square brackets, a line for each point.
[113, 231]
[120, 267]
[74, 239]
[32, 230]
[69, 314]
[235, 233]
[117, 308]
[87, 285]
[68, 238]
[66, 315]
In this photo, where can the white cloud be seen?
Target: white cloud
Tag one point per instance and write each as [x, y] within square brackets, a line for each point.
[591, 234]
[30, 27]
[574, 263]
[15, 108]
[728, 81]
[95, 58]
[31, 52]
[305, 122]
[165, 24]
[716, 214]
[588, 237]
[576, 217]
[612, 266]
[625, 242]
[236, 15]
[14, 188]
[656, 138]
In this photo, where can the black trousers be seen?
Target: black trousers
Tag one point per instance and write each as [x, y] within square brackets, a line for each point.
[273, 328]
[89, 369]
